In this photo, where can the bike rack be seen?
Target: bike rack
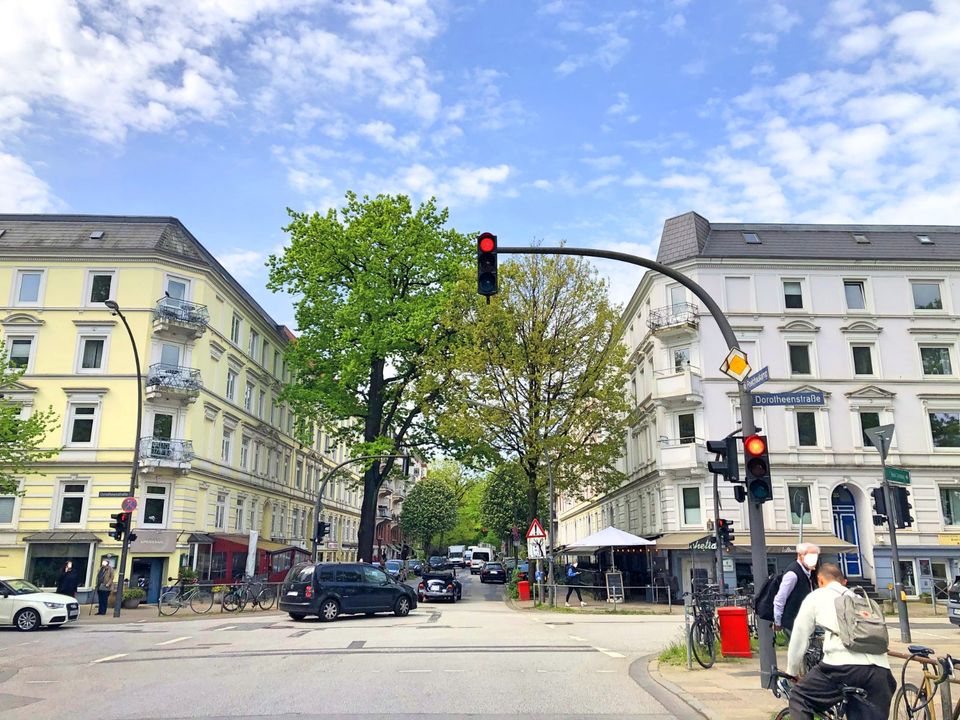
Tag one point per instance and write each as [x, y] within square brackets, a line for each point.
[946, 696]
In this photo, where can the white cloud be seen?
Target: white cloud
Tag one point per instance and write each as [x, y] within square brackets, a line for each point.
[694, 67]
[21, 191]
[611, 49]
[621, 105]
[243, 264]
[675, 24]
[605, 162]
[384, 135]
[859, 43]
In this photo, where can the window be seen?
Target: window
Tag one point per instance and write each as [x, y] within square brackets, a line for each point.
[99, 287]
[218, 564]
[936, 360]
[238, 564]
[7, 504]
[154, 505]
[949, 501]
[226, 445]
[926, 295]
[27, 288]
[286, 467]
[924, 239]
[862, 360]
[276, 365]
[799, 504]
[686, 428]
[178, 288]
[244, 452]
[81, 421]
[678, 298]
[691, 506]
[232, 385]
[254, 347]
[235, 329]
[681, 359]
[799, 358]
[273, 410]
[264, 355]
[298, 478]
[861, 239]
[257, 453]
[248, 397]
[92, 354]
[253, 515]
[751, 238]
[19, 350]
[945, 429]
[792, 295]
[374, 576]
[72, 497]
[856, 298]
[261, 401]
[868, 421]
[738, 296]
[220, 517]
[238, 516]
[806, 429]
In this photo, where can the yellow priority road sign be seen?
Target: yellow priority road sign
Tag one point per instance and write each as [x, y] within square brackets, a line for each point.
[735, 365]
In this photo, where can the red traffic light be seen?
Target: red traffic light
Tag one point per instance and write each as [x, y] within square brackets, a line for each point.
[487, 242]
[755, 445]
[123, 517]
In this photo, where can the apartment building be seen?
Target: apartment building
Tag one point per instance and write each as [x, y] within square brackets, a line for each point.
[866, 314]
[217, 454]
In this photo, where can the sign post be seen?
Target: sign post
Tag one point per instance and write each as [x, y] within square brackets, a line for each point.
[536, 541]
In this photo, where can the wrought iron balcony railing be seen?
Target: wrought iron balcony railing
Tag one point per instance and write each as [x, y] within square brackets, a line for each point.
[181, 311]
[674, 315]
[173, 377]
[176, 451]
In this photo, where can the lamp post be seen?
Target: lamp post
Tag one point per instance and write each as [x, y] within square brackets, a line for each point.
[115, 310]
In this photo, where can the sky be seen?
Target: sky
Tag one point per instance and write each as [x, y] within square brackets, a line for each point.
[588, 122]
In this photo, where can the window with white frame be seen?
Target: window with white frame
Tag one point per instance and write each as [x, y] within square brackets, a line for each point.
[232, 376]
[100, 287]
[806, 429]
[799, 497]
[220, 516]
[28, 286]
[273, 410]
[926, 295]
[286, 467]
[245, 453]
[226, 445]
[92, 351]
[248, 397]
[945, 428]
[20, 351]
[276, 365]
[155, 505]
[274, 520]
[862, 359]
[950, 504]
[855, 294]
[178, 288]
[254, 345]
[738, 295]
[691, 506]
[793, 294]
[73, 498]
[681, 359]
[235, 329]
[82, 424]
[265, 353]
[253, 515]
[238, 514]
[686, 428]
[800, 358]
[8, 508]
[281, 423]
[257, 458]
[935, 360]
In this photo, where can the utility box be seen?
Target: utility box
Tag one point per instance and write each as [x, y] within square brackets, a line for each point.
[734, 632]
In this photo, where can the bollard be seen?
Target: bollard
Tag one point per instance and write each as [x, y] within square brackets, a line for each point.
[686, 634]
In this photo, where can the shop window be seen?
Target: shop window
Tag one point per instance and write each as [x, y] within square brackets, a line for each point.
[950, 504]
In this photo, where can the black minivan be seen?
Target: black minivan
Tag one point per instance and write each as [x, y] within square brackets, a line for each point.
[331, 589]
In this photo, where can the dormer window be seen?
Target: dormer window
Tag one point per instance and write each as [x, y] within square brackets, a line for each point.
[751, 238]
[861, 239]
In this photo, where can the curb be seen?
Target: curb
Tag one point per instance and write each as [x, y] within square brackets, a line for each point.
[645, 673]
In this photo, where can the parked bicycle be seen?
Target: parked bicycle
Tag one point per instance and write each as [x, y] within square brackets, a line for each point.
[705, 628]
[185, 593]
[251, 592]
[781, 685]
[914, 702]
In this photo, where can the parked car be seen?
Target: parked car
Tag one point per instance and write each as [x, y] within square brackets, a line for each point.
[328, 590]
[439, 586]
[27, 607]
[414, 566]
[479, 557]
[953, 602]
[438, 562]
[493, 572]
[523, 570]
[396, 570]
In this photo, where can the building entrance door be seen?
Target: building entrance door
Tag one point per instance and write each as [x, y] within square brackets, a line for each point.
[845, 528]
[147, 573]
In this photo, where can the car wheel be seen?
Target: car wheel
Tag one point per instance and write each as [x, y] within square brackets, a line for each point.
[298, 617]
[402, 608]
[329, 610]
[27, 619]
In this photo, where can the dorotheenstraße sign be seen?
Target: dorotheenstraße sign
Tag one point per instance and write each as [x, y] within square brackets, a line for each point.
[803, 397]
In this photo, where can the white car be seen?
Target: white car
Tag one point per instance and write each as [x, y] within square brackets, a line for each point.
[27, 607]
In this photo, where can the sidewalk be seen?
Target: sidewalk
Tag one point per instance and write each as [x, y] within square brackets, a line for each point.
[149, 613]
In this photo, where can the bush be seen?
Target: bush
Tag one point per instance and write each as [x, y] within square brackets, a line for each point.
[187, 574]
[512, 591]
[134, 594]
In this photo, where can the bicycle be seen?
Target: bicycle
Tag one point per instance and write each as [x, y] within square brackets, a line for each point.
[836, 712]
[704, 630]
[199, 599]
[250, 591]
[912, 701]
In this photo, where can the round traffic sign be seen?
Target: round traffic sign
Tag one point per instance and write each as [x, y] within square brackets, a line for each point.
[129, 504]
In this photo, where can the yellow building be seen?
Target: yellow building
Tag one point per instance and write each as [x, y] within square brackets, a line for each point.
[217, 455]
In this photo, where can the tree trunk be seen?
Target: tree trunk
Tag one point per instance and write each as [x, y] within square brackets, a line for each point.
[372, 477]
[533, 492]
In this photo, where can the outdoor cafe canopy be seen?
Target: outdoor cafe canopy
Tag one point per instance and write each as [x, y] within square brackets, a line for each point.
[609, 537]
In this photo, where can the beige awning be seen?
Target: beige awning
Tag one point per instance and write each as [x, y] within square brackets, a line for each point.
[777, 542]
[62, 537]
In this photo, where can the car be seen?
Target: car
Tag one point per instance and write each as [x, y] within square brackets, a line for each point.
[414, 566]
[523, 570]
[396, 570]
[329, 590]
[953, 603]
[438, 562]
[479, 557]
[493, 572]
[27, 607]
[439, 586]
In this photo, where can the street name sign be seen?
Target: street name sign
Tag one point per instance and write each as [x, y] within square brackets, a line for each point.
[757, 379]
[113, 493]
[735, 365]
[805, 397]
[897, 476]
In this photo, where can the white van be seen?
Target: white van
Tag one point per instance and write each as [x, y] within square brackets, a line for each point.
[480, 556]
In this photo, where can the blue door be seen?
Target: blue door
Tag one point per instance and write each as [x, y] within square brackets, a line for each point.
[845, 528]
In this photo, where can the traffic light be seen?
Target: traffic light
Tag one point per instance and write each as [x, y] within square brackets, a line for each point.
[725, 530]
[322, 529]
[757, 468]
[120, 526]
[487, 264]
[879, 506]
[901, 506]
[727, 465]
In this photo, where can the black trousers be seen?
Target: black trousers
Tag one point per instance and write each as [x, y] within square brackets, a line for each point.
[820, 689]
[102, 597]
[574, 589]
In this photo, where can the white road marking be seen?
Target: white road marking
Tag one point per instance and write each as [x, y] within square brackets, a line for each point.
[228, 627]
[609, 653]
[414, 671]
[606, 671]
[552, 627]
[577, 638]
[454, 671]
[175, 640]
[41, 682]
[108, 658]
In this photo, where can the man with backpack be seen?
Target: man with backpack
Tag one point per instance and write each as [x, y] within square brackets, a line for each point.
[797, 582]
[855, 646]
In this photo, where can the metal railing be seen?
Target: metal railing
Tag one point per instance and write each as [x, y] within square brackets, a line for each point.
[672, 315]
[170, 450]
[665, 442]
[173, 377]
[181, 311]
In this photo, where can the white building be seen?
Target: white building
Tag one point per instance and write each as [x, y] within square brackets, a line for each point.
[868, 315]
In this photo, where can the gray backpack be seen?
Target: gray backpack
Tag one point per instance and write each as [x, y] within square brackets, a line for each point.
[860, 623]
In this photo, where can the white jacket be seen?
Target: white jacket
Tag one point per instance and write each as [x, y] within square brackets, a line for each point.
[819, 610]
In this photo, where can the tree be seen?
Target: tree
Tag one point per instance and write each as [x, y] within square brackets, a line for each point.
[370, 283]
[541, 376]
[503, 506]
[430, 509]
[19, 438]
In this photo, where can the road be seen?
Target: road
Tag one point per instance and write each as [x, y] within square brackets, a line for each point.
[477, 657]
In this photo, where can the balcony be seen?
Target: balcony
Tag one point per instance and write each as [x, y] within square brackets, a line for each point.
[675, 319]
[172, 383]
[681, 455]
[384, 513]
[386, 488]
[681, 386]
[180, 318]
[160, 453]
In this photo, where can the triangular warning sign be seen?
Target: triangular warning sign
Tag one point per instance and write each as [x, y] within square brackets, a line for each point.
[535, 531]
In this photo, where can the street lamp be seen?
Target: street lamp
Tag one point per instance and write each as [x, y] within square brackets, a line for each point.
[115, 310]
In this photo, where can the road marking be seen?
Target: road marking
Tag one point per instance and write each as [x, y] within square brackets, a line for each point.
[41, 682]
[454, 671]
[228, 627]
[175, 640]
[577, 638]
[609, 653]
[606, 671]
[108, 658]
[414, 671]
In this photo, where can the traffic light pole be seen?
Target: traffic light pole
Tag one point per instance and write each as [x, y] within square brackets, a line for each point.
[716, 530]
[758, 547]
[894, 550]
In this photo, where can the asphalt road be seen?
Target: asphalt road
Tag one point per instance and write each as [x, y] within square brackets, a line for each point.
[475, 658]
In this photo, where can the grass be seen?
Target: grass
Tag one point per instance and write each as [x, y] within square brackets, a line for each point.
[593, 611]
[676, 652]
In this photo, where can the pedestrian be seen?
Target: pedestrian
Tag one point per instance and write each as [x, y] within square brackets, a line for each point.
[854, 652]
[573, 584]
[797, 582]
[104, 586]
[68, 581]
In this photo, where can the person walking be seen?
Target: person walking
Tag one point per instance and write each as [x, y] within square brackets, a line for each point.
[573, 584]
[68, 581]
[843, 663]
[104, 586]
[797, 583]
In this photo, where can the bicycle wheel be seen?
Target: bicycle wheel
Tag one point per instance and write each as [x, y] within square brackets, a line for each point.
[169, 602]
[266, 598]
[783, 714]
[910, 704]
[702, 643]
[201, 601]
[231, 601]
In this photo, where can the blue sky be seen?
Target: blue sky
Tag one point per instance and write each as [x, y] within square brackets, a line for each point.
[588, 122]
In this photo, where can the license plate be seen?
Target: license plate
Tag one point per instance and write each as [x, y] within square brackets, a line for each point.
[955, 611]
[294, 593]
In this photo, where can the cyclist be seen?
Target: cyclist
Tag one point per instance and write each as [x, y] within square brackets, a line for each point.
[821, 688]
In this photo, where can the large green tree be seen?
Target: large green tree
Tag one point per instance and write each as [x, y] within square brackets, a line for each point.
[503, 506]
[370, 283]
[20, 438]
[541, 376]
[429, 510]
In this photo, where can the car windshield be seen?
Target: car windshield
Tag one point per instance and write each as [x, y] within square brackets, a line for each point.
[436, 559]
[393, 565]
[493, 566]
[22, 587]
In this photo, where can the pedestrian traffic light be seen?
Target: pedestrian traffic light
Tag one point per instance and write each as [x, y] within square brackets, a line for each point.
[120, 526]
[726, 464]
[901, 507]
[725, 530]
[757, 468]
[879, 506]
[487, 264]
[322, 529]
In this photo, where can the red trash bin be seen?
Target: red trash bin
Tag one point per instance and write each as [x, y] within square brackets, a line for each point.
[523, 587]
[734, 632]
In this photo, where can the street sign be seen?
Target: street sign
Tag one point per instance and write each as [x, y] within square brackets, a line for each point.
[536, 531]
[897, 475]
[757, 379]
[881, 437]
[129, 504]
[112, 494]
[735, 365]
[536, 549]
[806, 397]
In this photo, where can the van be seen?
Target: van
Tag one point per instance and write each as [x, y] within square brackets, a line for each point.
[479, 557]
[333, 589]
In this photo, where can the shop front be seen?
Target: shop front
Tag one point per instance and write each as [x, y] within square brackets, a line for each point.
[48, 552]
[222, 558]
[151, 555]
[923, 568]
